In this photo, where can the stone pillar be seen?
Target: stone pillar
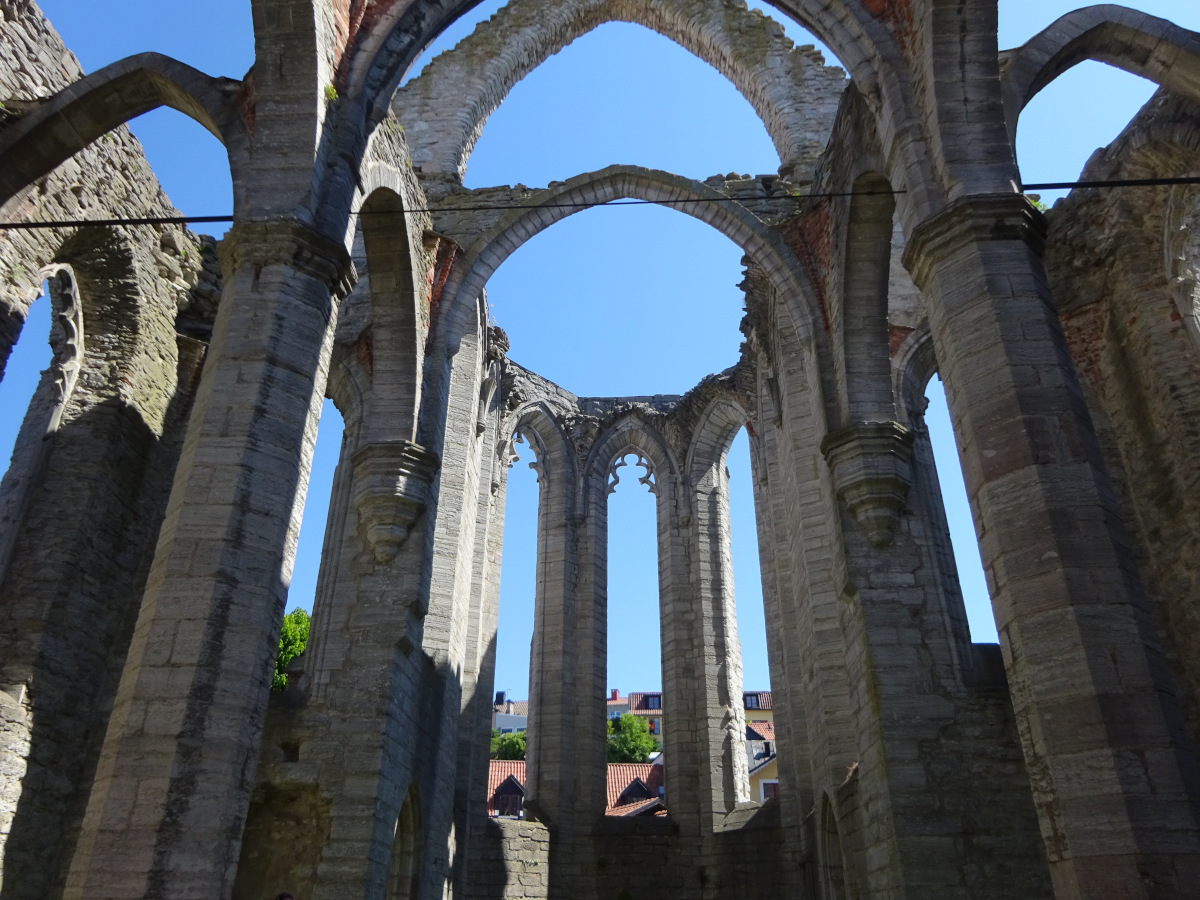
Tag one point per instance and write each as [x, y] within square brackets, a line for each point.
[724, 777]
[1115, 786]
[172, 787]
[560, 679]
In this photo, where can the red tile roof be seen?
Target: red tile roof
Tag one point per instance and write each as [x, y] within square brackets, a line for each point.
[498, 772]
[637, 704]
[639, 808]
[519, 708]
[622, 775]
[760, 731]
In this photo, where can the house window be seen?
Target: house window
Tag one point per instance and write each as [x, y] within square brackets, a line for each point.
[654, 701]
[509, 805]
[751, 701]
[654, 729]
[769, 789]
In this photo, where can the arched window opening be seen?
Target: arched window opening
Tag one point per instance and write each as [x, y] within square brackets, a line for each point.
[967, 560]
[515, 618]
[1083, 109]
[635, 652]
[404, 868]
[23, 371]
[832, 871]
[661, 107]
[757, 701]
[190, 163]
[35, 397]
[607, 287]
[311, 544]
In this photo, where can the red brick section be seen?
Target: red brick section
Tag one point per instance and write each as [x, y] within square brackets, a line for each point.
[809, 239]
[444, 255]
[898, 16]
[354, 18]
[897, 335]
[364, 351]
[247, 101]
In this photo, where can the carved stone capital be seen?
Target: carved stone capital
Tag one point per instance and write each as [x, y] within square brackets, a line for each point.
[391, 490]
[285, 242]
[977, 218]
[872, 471]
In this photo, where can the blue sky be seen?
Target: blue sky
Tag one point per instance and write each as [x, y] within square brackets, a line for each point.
[615, 279]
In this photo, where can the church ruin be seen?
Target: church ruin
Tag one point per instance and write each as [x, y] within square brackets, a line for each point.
[149, 518]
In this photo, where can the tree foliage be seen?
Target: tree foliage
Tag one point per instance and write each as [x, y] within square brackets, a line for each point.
[293, 638]
[629, 740]
[507, 746]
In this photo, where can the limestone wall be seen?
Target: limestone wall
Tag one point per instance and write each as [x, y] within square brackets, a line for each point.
[1122, 263]
[81, 502]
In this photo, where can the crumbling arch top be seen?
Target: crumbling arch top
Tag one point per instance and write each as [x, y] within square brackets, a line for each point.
[1137, 42]
[94, 105]
[792, 91]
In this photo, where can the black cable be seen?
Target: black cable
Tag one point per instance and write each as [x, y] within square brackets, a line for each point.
[197, 220]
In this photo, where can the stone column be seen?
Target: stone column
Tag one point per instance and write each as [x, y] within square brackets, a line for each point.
[172, 787]
[558, 676]
[725, 778]
[1114, 783]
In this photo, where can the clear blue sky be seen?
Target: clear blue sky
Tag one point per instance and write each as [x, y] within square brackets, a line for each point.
[620, 276]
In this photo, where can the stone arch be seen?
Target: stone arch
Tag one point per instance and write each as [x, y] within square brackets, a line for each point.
[94, 105]
[913, 364]
[864, 309]
[718, 426]
[47, 405]
[401, 31]
[794, 95]
[397, 348]
[1137, 42]
[700, 201]
[535, 422]
[831, 873]
[631, 434]
[405, 865]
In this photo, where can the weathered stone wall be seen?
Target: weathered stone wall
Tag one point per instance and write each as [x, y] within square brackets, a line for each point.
[1119, 262]
[100, 440]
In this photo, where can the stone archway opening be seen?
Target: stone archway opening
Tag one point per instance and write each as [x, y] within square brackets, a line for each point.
[405, 866]
[23, 367]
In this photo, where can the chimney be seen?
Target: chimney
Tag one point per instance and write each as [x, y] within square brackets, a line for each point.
[508, 706]
[616, 694]
[499, 701]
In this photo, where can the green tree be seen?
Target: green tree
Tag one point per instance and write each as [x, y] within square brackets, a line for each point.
[508, 746]
[293, 638]
[629, 740]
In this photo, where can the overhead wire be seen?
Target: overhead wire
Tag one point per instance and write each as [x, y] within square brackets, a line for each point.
[1090, 184]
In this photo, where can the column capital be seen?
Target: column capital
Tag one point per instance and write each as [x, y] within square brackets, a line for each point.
[391, 489]
[872, 472]
[286, 242]
[975, 218]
